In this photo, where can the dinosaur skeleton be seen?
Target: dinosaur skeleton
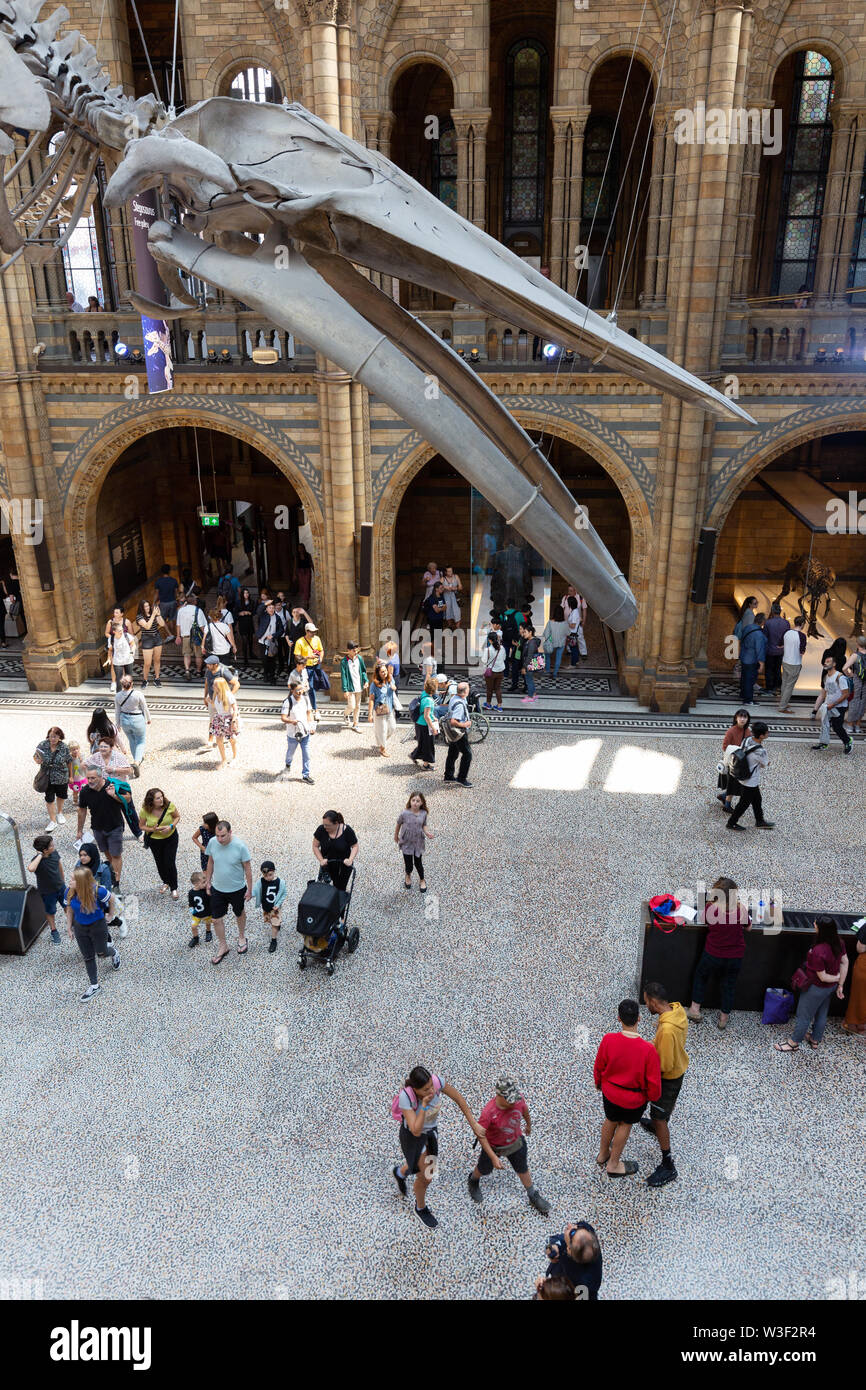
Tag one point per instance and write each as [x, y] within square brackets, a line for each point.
[322, 204]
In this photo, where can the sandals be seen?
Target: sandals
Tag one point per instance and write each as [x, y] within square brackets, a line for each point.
[216, 960]
[603, 1162]
[242, 950]
[787, 1047]
[629, 1171]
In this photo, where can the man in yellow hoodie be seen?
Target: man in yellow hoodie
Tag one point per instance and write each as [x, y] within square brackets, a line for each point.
[670, 1044]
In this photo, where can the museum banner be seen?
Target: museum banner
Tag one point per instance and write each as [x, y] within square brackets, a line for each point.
[144, 211]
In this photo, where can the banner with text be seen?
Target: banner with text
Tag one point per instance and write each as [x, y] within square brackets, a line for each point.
[155, 332]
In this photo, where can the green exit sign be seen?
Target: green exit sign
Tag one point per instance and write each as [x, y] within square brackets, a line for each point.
[210, 518]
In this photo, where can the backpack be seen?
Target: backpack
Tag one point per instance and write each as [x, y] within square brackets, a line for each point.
[859, 667]
[196, 632]
[207, 641]
[414, 707]
[737, 759]
[397, 1113]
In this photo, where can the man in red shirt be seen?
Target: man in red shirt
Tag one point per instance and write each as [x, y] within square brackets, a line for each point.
[628, 1074]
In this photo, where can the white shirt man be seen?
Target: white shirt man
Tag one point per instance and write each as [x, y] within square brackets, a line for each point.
[429, 579]
[792, 665]
[353, 665]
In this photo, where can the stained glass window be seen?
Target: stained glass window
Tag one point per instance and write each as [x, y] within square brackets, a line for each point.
[807, 157]
[445, 164]
[525, 136]
[256, 84]
[597, 186]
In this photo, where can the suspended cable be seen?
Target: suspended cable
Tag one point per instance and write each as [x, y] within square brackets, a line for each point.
[198, 468]
[216, 505]
[99, 30]
[643, 161]
[171, 110]
[146, 51]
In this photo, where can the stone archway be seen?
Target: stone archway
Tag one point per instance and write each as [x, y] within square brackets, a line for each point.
[85, 475]
[783, 437]
[603, 453]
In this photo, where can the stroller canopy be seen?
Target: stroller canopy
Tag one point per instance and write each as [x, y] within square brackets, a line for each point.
[320, 909]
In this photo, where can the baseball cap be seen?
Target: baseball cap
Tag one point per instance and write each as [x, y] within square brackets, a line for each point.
[212, 660]
[311, 627]
[268, 867]
[352, 646]
[506, 1087]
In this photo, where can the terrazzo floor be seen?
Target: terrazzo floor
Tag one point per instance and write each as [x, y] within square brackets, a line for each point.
[196, 1132]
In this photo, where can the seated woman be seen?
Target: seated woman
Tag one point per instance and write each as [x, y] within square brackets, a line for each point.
[335, 846]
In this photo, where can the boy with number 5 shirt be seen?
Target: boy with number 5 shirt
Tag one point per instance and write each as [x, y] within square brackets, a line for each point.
[268, 894]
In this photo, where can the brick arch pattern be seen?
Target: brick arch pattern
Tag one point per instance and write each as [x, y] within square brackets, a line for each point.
[407, 54]
[413, 453]
[832, 417]
[86, 468]
[648, 52]
[230, 62]
[774, 45]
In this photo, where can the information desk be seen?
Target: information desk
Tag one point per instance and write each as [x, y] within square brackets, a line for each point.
[772, 956]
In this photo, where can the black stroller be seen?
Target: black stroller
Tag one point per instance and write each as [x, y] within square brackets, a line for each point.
[322, 916]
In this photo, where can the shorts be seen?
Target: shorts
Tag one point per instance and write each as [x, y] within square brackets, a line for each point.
[52, 901]
[61, 791]
[519, 1160]
[662, 1108]
[110, 843]
[188, 646]
[201, 922]
[618, 1114]
[273, 918]
[168, 611]
[412, 1145]
[220, 902]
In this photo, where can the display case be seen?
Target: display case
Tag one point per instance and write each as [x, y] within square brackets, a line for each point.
[22, 912]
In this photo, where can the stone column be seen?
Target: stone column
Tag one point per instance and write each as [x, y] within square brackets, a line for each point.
[721, 45]
[831, 271]
[658, 217]
[55, 623]
[471, 131]
[569, 125]
[330, 56]
[850, 211]
[750, 184]
[377, 127]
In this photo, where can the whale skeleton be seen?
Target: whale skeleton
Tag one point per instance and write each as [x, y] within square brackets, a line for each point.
[278, 210]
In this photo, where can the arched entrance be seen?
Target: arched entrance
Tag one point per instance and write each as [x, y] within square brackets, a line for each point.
[424, 144]
[790, 508]
[135, 500]
[427, 514]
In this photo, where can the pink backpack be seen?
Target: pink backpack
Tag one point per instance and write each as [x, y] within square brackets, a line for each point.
[397, 1113]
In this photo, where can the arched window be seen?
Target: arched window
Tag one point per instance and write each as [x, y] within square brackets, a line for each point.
[256, 84]
[525, 137]
[806, 160]
[444, 172]
[598, 186]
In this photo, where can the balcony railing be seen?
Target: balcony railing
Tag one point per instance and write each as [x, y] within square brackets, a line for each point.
[794, 338]
[201, 338]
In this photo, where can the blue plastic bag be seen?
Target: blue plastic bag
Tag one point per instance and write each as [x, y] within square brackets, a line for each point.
[778, 1006]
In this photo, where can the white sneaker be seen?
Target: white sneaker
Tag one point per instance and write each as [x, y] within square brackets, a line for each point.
[113, 689]
[90, 991]
[50, 828]
[61, 820]
[121, 931]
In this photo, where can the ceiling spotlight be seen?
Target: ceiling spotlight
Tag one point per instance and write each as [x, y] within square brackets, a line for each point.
[121, 349]
[225, 355]
[211, 355]
[136, 355]
[473, 356]
[550, 350]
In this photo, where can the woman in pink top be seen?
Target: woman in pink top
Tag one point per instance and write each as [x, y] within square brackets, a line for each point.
[727, 920]
[826, 968]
